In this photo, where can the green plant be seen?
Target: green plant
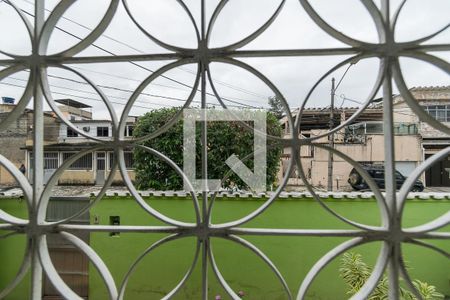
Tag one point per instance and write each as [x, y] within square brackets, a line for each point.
[355, 272]
[427, 291]
[224, 139]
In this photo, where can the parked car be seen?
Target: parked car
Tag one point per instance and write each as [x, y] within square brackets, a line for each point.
[377, 173]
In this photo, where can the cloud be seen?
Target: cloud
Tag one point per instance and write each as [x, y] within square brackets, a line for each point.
[293, 29]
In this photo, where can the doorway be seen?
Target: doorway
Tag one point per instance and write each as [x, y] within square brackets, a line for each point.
[101, 168]
[438, 175]
[71, 264]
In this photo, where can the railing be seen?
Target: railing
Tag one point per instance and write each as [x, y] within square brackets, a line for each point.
[391, 204]
[357, 133]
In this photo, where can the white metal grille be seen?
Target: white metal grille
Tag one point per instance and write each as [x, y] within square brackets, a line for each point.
[391, 204]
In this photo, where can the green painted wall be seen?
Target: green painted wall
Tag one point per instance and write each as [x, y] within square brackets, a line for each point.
[12, 250]
[161, 270]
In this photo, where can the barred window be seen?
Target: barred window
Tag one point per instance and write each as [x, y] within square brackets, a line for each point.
[439, 112]
[83, 163]
[103, 131]
[129, 160]
[51, 160]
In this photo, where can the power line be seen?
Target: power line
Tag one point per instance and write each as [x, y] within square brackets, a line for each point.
[142, 52]
[90, 98]
[343, 75]
[92, 93]
[127, 78]
[228, 85]
[117, 89]
[342, 96]
[131, 62]
[157, 84]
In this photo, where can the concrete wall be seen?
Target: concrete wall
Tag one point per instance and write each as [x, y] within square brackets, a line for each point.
[14, 154]
[87, 177]
[403, 113]
[77, 113]
[170, 262]
[92, 131]
[407, 149]
[12, 139]
[429, 132]
[77, 177]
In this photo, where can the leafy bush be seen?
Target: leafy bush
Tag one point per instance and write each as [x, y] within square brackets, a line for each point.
[224, 139]
[355, 273]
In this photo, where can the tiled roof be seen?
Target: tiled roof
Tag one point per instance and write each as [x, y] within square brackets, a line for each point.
[430, 88]
[338, 196]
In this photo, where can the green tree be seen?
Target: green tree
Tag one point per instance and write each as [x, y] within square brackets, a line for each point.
[224, 139]
[276, 107]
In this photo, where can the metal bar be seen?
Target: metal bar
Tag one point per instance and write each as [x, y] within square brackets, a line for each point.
[236, 54]
[204, 153]
[331, 137]
[7, 226]
[121, 58]
[390, 232]
[213, 53]
[431, 47]
[304, 232]
[389, 158]
[389, 145]
[121, 228]
[8, 62]
[291, 52]
[38, 150]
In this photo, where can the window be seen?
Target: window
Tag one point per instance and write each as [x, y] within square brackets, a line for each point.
[439, 112]
[103, 131]
[71, 132]
[50, 160]
[405, 128]
[83, 163]
[129, 160]
[374, 128]
[128, 132]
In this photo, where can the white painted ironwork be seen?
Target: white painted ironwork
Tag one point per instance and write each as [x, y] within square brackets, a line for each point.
[391, 204]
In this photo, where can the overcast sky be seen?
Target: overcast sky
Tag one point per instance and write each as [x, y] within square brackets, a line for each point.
[293, 29]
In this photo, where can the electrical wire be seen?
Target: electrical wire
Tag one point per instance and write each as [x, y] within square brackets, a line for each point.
[342, 96]
[156, 84]
[343, 75]
[127, 78]
[133, 63]
[109, 96]
[228, 85]
[89, 98]
[118, 89]
[142, 52]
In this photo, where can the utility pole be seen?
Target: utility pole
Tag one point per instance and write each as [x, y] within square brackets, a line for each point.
[331, 138]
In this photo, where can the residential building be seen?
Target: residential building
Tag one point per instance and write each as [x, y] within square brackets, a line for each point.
[74, 110]
[15, 138]
[436, 101]
[61, 142]
[363, 140]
